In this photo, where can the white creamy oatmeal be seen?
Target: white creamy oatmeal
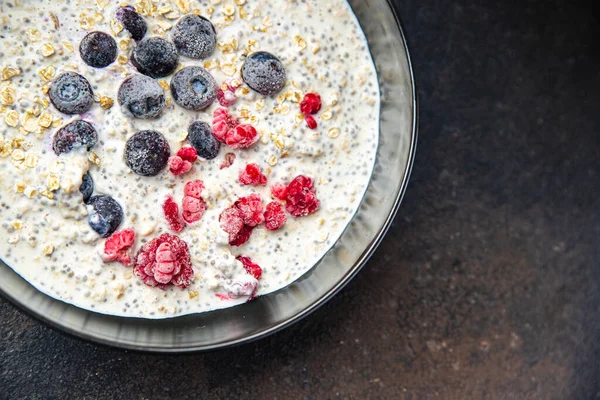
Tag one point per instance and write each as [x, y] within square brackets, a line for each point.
[44, 231]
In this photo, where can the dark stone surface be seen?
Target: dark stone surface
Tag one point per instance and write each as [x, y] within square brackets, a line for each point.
[488, 284]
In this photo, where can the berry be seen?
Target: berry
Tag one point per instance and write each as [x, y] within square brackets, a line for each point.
[251, 268]
[232, 222]
[141, 96]
[301, 198]
[264, 73]
[116, 247]
[245, 286]
[243, 236]
[193, 188]
[78, 133]
[194, 36]
[223, 122]
[226, 96]
[155, 57]
[147, 153]
[98, 49]
[106, 215]
[132, 22]
[228, 161]
[179, 166]
[311, 104]
[164, 261]
[193, 88]
[87, 187]
[310, 121]
[171, 211]
[188, 154]
[274, 216]
[71, 93]
[242, 136]
[201, 137]
[252, 175]
[193, 209]
[251, 209]
[279, 191]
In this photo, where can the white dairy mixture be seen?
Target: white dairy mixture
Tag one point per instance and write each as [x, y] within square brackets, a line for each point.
[44, 234]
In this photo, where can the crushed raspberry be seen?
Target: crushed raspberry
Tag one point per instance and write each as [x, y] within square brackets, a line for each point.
[310, 121]
[222, 296]
[188, 154]
[279, 191]
[253, 269]
[179, 166]
[242, 136]
[243, 236]
[251, 209]
[252, 175]
[311, 104]
[228, 161]
[163, 261]
[232, 222]
[227, 97]
[223, 122]
[171, 210]
[193, 188]
[116, 247]
[193, 209]
[301, 197]
[274, 216]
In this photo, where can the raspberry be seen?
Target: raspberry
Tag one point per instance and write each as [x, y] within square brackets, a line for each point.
[188, 154]
[179, 166]
[163, 261]
[311, 104]
[274, 216]
[253, 269]
[242, 136]
[116, 247]
[222, 296]
[228, 161]
[226, 96]
[232, 222]
[310, 122]
[301, 197]
[193, 209]
[223, 122]
[193, 188]
[243, 236]
[171, 210]
[251, 209]
[252, 175]
[279, 191]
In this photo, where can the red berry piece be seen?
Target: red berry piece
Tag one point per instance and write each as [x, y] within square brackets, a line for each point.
[243, 236]
[193, 209]
[223, 122]
[301, 198]
[179, 166]
[274, 216]
[279, 191]
[242, 136]
[252, 175]
[232, 222]
[251, 209]
[310, 122]
[116, 247]
[311, 104]
[226, 96]
[228, 161]
[253, 269]
[164, 261]
[188, 154]
[222, 296]
[171, 210]
[193, 188]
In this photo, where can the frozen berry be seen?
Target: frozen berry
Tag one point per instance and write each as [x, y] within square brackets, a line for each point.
[179, 166]
[310, 121]
[98, 49]
[193, 188]
[78, 133]
[147, 153]
[301, 197]
[188, 154]
[164, 261]
[87, 187]
[201, 137]
[228, 161]
[251, 268]
[132, 22]
[274, 216]
[242, 136]
[264, 73]
[193, 88]
[226, 95]
[106, 215]
[252, 175]
[171, 211]
[232, 222]
[141, 96]
[71, 93]
[279, 191]
[155, 57]
[311, 104]
[251, 209]
[243, 236]
[194, 36]
[193, 208]
[116, 247]
[223, 122]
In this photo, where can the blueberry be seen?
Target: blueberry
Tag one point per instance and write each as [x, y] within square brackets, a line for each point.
[98, 49]
[147, 153]
[71, 93]
[155, 57]
[264, 73]
[194, 36]
[106, 215]
[193, 88]
[141, 96]
[132, 22]
[75, 134]
[201, 137]
[87, 187]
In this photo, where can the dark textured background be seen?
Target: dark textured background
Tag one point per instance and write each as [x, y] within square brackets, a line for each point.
[488, 284]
